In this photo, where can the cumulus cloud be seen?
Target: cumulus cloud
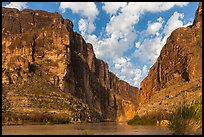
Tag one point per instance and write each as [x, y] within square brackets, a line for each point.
[120, 36]
[120, 29]
[140, 74]
[130, 14]
[173, 23]
[155, 27]
[161, 6]
[148, 49]
[18, 5]
[86, 9]
[127, 71]
[86, 26]
[112, 7]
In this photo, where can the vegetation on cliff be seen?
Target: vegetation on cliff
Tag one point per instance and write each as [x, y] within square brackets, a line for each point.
[137, 120]
[186, 118]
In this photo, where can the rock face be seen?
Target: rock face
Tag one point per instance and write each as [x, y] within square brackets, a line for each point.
[180, 60]
[43, 43]
[38, 101]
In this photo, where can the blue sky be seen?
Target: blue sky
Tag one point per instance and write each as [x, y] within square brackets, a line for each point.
[127, 35]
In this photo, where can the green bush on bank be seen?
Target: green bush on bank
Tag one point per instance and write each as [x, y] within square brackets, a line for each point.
[137, 120]
[186, 118]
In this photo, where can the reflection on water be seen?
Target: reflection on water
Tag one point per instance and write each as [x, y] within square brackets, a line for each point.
[104, 128]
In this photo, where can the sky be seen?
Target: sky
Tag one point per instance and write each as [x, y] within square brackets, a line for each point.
[127, 35]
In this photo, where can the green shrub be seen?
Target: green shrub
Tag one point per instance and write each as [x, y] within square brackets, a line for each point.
[137, 120]
[186, 118]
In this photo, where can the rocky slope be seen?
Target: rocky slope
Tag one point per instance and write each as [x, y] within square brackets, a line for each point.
[39, 101]
[177, 74]
[43, 44]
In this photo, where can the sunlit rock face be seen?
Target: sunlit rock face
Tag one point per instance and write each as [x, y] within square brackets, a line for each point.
[180, 60]
[43, 43]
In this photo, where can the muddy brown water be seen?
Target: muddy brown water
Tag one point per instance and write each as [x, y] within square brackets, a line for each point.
[103, 128]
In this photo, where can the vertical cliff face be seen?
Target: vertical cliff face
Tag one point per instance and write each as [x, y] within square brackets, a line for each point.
[44, 44]
[34, 40]
[180, 60]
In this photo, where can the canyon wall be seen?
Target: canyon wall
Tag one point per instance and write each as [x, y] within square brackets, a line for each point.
[43, 43]
[180, 60]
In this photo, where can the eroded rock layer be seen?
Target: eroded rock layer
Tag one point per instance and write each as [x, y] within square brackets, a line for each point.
[44, 44]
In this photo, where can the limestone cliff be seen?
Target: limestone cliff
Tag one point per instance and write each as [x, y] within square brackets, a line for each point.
[44, 44]
[177, 70]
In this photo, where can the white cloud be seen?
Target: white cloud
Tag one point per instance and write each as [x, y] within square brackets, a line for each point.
[126, 70]
[148, 49]
[86, 26]
[137, 44]
[161, 6]
[82, 25]
[112, 7]
[18, 5]
[120, 29]
[130, 14]
[120, 36]
[155, 27]
[86, 9]
[173, 23]
[140, 75]
[121, 60]
[111, 47]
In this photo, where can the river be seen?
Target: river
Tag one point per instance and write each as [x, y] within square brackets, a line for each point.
[103, 128]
